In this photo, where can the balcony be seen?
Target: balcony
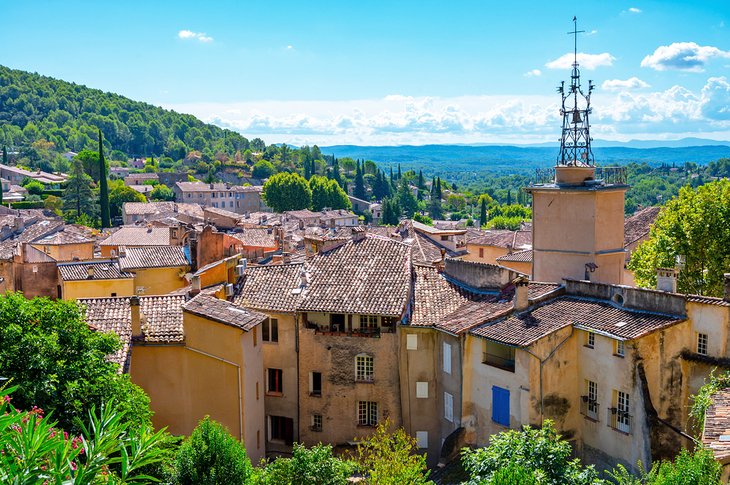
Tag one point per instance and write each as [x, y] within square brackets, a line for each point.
[498, 361]
[589, 408]
[337, 330]
[620, 420]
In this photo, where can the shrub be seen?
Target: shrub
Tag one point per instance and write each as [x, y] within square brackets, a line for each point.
[211, 456]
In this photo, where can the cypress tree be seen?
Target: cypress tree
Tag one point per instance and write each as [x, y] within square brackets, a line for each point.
[509, 196]
[103, 188]
[433, 187]
[392, 180]
[399, 173]
[438, 188]
[359, 191]
[483, 212]
[5, 155]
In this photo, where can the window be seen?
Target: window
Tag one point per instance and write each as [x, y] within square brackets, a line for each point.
[281, 428]
[364, 368]
[273, 381]
[270, 330]
[316, 422]
[337, 322]
[367, 413]
[702, 340]
[421, 390]
[447, 358]
[619, 348]
[411, 341]
[500, 405]
[444, 238]
[590, 339]
[258, 438]
[589, 402]
[422, 439]
[619, 414]
[315, 383]
[498, 355]
[368, 321]
[257, 390]
[255, 336]
[481, 252]
[448, 407]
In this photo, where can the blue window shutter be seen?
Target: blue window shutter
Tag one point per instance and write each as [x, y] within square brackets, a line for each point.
[500, 406]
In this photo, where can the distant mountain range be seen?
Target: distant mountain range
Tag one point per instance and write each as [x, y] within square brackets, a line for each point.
[444, 158]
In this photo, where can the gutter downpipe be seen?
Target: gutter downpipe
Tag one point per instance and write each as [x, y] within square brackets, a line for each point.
[240, 394]
[542, 361]
[296, 349]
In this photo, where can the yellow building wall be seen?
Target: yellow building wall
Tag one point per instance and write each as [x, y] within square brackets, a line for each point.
[72, 290]
[489, 253]
[159, 281]
[521, 267]
[67, 252]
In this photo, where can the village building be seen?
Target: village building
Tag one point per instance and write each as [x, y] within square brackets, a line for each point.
[134, 212]
[17, 175]
[94, 279]
[69, 243]
[157, 270]
[132, 237]
[235, 198]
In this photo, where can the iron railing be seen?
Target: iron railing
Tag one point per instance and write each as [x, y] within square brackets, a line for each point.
[589, 408]
[620, 420]
[498, 361]
[606, 175]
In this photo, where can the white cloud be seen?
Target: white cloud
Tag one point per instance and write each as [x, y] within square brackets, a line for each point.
[533, 73]
[682, 56]
[289, 47]
[587, 61]
[189, 34]
[634, 10]
[623, 85]
[592, 32]
[400, 119]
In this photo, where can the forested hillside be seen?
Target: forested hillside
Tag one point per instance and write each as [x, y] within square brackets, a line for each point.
[34, 107]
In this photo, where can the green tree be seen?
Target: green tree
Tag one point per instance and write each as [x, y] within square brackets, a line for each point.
[119, 194]
[103, 187]
[5, 162]
[390, 458]
[263, 169]
[688, 468]
[307, 466]
[482, 211]
[34, 187]
[327, 193]
[78, 196]
[211, 456]
[359, 190]
[91, 163]
[287, 191]
[162, 192]
[406, 200]
[540, 451]
[60, 364]
[692, 227]
[54, 204]
[390, 212]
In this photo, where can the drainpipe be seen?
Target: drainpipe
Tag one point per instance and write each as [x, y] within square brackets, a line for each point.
[240, 394]
[542, 362]
[296, 349]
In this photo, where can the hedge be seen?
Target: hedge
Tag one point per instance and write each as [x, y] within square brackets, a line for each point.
[24, 204]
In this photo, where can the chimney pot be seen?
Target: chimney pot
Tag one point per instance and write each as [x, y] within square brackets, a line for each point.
[522, 294]
[136, 318]
[90, 272]
[666, 279]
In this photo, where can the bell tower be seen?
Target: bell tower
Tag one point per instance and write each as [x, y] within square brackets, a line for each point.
[577, 208]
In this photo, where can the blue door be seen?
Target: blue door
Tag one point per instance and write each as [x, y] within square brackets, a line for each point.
[500, 406]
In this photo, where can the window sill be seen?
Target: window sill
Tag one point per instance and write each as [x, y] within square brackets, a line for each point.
[625, 433]
[367, 425]
[589, 346]
[275, 342]
[619, 356]
[274, 394]
[591, 419]
[363, 381]
[315, 430]
[315, 394]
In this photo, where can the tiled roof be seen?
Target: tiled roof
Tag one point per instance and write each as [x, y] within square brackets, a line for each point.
[139, 236]
[102, 270]
[223, 311]
[707, 300]
[222, 212]
[269, 288]
[638, 225]
[337, 214]
[153, 257]
[501, 238]
[39, 229]
[258, 237]
[716, 434]
[217, 187]
[152, 208]
[370, 276]
[303, 214]
[161, 320]
[523, 329]
[69, 234]
[518, 257]
[419, 226]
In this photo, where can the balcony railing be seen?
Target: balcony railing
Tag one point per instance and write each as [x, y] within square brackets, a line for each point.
[355, 332]
[498, 361]
[620, 420]
[589, 408]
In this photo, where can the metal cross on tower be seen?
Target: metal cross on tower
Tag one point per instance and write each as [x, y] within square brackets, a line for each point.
[575, 142]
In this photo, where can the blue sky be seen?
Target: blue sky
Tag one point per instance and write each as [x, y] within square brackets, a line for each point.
[391, 72]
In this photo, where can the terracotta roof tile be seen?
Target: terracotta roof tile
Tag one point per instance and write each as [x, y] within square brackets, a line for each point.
[523, 329]
[69, 234]
[101, 270]
[639, 224]
[152, 257]
[707, 300]
[518, 257]
[256, 237]
[370, 276]
[139, 236]
[223, 311]
[269, 288]
[716, 434]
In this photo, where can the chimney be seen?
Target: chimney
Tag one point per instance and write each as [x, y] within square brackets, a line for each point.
[90, 272]
[666, 279]
[136, 318]
[726, 294]
[521, 293]
[122, 251]
[277, 259]
[195, 285]
[358, 233]
[285, 258]
[193, 245]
